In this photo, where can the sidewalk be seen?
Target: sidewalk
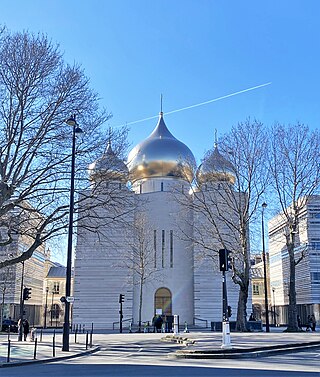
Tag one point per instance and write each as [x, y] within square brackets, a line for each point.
[196, 344]
[254, 344]
[43, 351]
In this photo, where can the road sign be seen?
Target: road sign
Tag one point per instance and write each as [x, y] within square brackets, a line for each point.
[70, 299]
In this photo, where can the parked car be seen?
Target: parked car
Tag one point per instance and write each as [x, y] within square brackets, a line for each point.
[6, 323]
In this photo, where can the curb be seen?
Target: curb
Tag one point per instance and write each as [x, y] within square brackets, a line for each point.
[49, 360]
[238, 353]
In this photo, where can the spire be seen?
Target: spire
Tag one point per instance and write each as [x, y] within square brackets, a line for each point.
[109, 149]
[161, 97]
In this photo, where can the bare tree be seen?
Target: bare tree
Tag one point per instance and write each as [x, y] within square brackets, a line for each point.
[141, 257]
[38, 91]
[229, 188]
[295, 168]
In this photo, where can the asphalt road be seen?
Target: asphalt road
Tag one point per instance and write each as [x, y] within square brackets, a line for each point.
[151, 358]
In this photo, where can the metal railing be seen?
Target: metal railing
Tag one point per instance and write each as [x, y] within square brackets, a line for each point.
[201, 320]
[118, 322]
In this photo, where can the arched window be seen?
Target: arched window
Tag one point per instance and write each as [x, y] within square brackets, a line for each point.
[55, 309]
[163, 301]
[257, 311]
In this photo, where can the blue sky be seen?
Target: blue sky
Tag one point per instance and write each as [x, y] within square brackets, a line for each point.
[191, 51]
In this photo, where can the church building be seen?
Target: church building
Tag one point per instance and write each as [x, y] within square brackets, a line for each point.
[138, 236]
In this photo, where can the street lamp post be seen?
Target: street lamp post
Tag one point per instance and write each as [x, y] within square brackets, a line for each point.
[21, 304]
[66, 325]
[264, 205]
[51, 317]
[46, 309]
[274, 307]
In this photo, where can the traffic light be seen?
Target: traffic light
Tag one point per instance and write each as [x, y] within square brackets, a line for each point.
[225, 260]
[26, 293]
[121, 298]
[229, 311]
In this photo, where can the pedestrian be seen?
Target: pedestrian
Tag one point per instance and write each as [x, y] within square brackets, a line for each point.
[299, 322]
[25, 329]
[309, 323]
[159, 322]
[313, 322]
[154, 319]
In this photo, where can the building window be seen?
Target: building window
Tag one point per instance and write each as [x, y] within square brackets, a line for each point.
[56, 287]
[162, 248]
[55, 311]
[171, 248]
[140, 188]
[155, 247]
[161, 186]
[255, 289]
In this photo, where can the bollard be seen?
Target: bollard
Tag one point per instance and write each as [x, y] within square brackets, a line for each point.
[79, 328]
[186, 327]
[90, 339]
[8, 355]
[75, 335]
[35, 349]
[87, 340]
[54, 344]
[83, 328]
[226, 341]
[41, 335]
[130, 327]
[175, 324]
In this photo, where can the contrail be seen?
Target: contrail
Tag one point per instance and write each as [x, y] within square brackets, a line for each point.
[202, 103]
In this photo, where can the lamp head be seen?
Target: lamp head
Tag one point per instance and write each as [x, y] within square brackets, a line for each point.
[71, 121]
[264, 205]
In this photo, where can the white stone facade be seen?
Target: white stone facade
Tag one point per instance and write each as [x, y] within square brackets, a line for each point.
[178, 279]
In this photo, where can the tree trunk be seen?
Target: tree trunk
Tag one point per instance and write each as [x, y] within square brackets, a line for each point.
[242, 309]
[292, 310]
[2, 308]
[140, 303]
[243, 283]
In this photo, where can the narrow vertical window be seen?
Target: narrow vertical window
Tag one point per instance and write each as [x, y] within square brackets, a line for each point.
[155, 247]
[171, 248]
[140, 188]
[119, 186]
[161, 186]
[162, 249]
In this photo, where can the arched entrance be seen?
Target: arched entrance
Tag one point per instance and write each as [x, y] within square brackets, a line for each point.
[163, 301]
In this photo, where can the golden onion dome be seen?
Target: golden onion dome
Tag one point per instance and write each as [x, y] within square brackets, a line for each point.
[216, 168]
[161, 155]
[109, 167]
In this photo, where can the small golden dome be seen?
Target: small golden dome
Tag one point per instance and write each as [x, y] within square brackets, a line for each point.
[109, 167]
[216, 168]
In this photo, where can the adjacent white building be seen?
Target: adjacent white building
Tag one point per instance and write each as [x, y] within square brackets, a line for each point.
[144, 231]
[307, 271]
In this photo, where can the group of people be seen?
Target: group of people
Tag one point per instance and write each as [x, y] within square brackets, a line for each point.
[25, 328]
[311, 322]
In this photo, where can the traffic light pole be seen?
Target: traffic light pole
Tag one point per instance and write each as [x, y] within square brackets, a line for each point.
[21, 305]
[226, 341]
[121, 299]
[224, 266]
[121, 316]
